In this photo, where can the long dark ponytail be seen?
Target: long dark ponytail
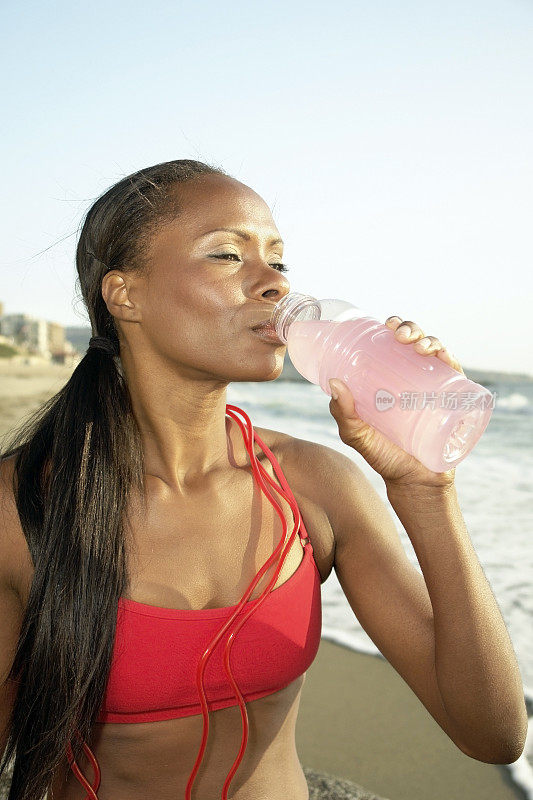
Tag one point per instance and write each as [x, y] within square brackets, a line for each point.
[76, 460]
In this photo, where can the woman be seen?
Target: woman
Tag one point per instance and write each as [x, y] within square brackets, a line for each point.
[131, 490]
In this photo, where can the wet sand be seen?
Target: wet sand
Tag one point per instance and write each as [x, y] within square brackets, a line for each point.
[359, 720]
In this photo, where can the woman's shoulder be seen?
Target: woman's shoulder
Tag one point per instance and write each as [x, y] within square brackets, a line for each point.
[303, 462]
[295, 456]
[281, 444]
[271, 438]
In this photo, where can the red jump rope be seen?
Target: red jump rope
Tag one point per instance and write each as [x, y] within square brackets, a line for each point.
[249, 436]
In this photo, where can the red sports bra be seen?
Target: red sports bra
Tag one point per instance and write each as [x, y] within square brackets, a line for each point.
[157, 650]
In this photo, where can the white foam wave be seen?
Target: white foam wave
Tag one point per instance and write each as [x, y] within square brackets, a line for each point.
[513, 402]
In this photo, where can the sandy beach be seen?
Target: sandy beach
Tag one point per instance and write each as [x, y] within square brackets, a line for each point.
[24, 387]
[358, 719]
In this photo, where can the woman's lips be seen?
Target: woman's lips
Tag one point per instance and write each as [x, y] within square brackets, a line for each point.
[268, 332]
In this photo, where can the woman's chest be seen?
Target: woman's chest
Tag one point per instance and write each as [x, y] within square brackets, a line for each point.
[204, 552]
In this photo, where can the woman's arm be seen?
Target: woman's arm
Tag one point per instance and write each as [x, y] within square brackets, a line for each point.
[456, 632]
[475, 665]
[441, 631]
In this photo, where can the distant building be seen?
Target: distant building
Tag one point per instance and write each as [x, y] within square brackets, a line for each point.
[56, 338]
[36, 332]
[17, 328]
[26, 331]
[36, 336]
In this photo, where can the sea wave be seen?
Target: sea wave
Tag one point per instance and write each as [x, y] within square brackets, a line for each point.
[515, 403]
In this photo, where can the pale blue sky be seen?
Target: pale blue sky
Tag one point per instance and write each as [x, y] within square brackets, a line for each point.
[392, 140]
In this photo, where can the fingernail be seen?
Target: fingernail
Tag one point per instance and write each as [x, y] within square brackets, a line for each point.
[404, 330]
[424, 342]
[334, 390]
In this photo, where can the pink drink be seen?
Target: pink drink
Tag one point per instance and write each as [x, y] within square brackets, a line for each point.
[420, 403]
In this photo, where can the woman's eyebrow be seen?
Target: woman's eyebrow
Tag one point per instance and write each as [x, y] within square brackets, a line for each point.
[242, 234]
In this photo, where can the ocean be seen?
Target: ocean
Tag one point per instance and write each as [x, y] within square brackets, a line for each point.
[495, 490]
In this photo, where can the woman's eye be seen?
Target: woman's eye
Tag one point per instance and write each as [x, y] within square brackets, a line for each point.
[227, 255]
[279, 266]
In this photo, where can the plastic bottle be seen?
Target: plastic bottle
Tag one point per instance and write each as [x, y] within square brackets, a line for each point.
[426, 407]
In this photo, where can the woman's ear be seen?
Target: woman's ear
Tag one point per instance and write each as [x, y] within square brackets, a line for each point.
[115, 292]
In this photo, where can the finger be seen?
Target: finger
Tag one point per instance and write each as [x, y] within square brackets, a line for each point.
[428, 345]
[449, 358]
[408, 331]
[393, 322]
[344, 402]
[434, 345]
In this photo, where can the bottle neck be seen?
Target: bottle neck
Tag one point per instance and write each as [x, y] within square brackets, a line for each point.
[294, 306]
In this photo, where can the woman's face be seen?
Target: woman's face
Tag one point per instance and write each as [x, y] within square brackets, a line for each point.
[208, 287]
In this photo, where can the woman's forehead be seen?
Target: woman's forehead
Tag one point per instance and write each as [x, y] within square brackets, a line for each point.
[219, 205]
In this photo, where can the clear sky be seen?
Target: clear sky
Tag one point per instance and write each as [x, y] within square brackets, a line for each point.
[393, 142]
